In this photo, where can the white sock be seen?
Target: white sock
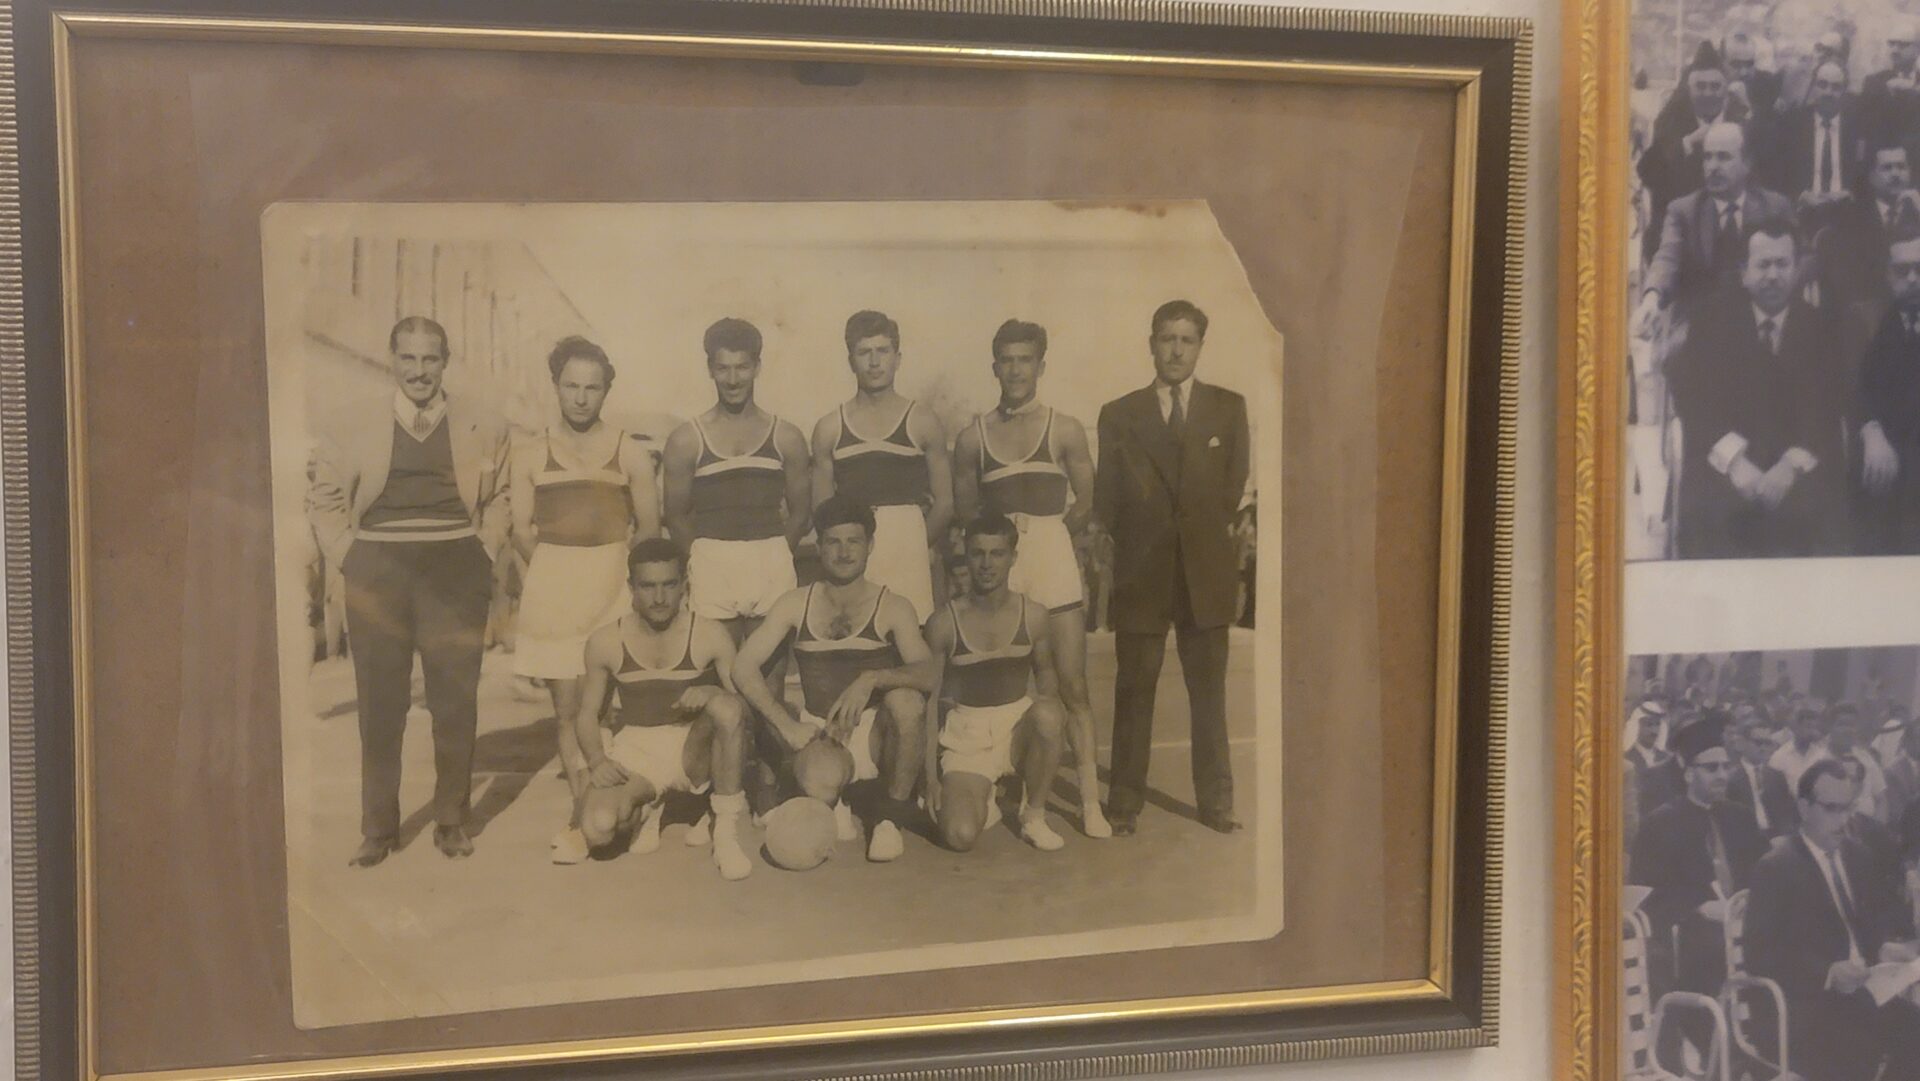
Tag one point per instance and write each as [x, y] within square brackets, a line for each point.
[845, 826]
[646, 832]
[727, 853]
[1033, 827]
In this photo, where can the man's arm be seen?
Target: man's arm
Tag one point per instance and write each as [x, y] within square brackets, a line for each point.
[940, 639]
[918, 670]
[750, 680]
[799, 507]
[1664, 269]
[1070, 439]
[1239, 455]
[493, 515]
[520, 496]
[826, 431]
[603, 655]
[965, 467]
[330, 498]
[642, 494]
[676, 476]
[926, 431]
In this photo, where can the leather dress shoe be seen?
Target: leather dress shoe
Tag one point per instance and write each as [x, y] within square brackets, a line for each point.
[1124, 823]
[371, 851]
[452, 841]
[1220, 821]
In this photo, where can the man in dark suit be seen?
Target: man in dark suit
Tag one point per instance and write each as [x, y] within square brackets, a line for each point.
[1654, 771]
[1815, 153]
[1174, 458]
[1761, 453]
[1850, 245]
[1671, 165]
[1747, 83]
[1700, 247]
[1890, 99]
[1694, 854]
[1817, 918]
[1755, 785]
[407, 500]
[1887, 411]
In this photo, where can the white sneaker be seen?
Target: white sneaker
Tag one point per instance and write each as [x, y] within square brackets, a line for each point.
[646, 832]
[1036, 832]
[569, 847]
[700, 832]
[845, 826]
[1094, 822]
[886, 843]
[727, 853]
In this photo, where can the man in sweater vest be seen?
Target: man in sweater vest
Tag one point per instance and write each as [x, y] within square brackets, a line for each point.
[403, 502]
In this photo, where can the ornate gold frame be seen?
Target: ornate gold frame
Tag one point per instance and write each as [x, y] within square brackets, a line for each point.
[1439, 985]
[1588, 663]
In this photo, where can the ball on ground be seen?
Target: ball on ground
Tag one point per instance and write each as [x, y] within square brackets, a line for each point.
[800, 834]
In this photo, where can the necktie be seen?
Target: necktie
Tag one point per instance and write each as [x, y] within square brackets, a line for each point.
[1759, 805]
[422, 423]
[1722, 868]
[1825, 183]
[1770, 334]
[1177, 416]
[1848, 914]
[1726, 246]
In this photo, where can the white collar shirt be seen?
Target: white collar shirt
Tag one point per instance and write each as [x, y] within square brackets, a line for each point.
[419, 420]
[1164, 391]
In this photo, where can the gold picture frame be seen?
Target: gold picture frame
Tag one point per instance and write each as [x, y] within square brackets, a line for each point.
[1483, 63]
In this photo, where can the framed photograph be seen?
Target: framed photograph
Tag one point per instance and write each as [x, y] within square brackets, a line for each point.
[724, 539]
[1738, 457]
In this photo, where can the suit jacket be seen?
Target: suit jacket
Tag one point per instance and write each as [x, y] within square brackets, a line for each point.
[1786, 162]
[354, 450]
[1850, 252]
[1672, 856]
[1655, 784]
[1890, 116]
[1168, 505]
[1687, 267]
[1783, 815]
[1725, 382]
[1794, 931]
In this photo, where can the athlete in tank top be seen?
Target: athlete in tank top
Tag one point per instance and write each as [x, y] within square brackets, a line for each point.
[648, 695]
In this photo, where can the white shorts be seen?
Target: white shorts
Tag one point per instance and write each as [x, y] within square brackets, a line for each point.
[734, 579]
[656, 752]
[1044, 567]
[979, 739]
[899, 558]
[569, 593]
[859, 744]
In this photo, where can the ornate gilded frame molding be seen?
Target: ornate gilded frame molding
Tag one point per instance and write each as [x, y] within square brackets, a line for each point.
[44, 509]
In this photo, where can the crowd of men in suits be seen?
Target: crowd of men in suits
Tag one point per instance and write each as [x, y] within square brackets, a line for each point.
[1779, 306]
[1808, 811]
[672, 596]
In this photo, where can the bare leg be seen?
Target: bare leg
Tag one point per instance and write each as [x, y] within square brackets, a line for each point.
[1038, 741]
[897, 749]
[566, 706]
[604, 812]
[963, 809]
[1068, 632]
[716, 751]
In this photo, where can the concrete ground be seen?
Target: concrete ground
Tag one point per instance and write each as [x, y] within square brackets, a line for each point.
[421, 935]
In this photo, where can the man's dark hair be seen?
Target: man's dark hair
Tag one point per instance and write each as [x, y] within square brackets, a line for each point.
[1017, 331]
[1179, 309]
[992, 525]
[574, 347]
[1826, 767]
[1771, 229]
[871, 324]
[842, 509]
[417, 324]
[1881, 146]
[655, 550]
[733, 335]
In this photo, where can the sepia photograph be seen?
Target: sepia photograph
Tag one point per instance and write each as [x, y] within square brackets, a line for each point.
[1772, 838]
[1774, 280]
[685, 596]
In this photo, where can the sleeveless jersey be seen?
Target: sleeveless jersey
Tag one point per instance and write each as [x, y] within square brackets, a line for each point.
[647, 694]
[828, 665]
[739, 497]
[989, 677]
[581, 508]
[881, 472]
[1033, 485]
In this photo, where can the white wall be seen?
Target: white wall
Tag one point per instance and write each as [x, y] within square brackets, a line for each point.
[1526, 978]
[1524, 1053]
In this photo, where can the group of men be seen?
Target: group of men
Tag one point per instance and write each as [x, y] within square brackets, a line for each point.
[1812, 811]
[1779, 311]
[674, 598]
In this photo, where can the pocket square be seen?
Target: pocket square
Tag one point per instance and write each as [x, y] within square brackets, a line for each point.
[1214, 442]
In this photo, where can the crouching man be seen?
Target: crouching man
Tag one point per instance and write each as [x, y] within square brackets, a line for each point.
[992, 642]
[864, 676]
[680, 727]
